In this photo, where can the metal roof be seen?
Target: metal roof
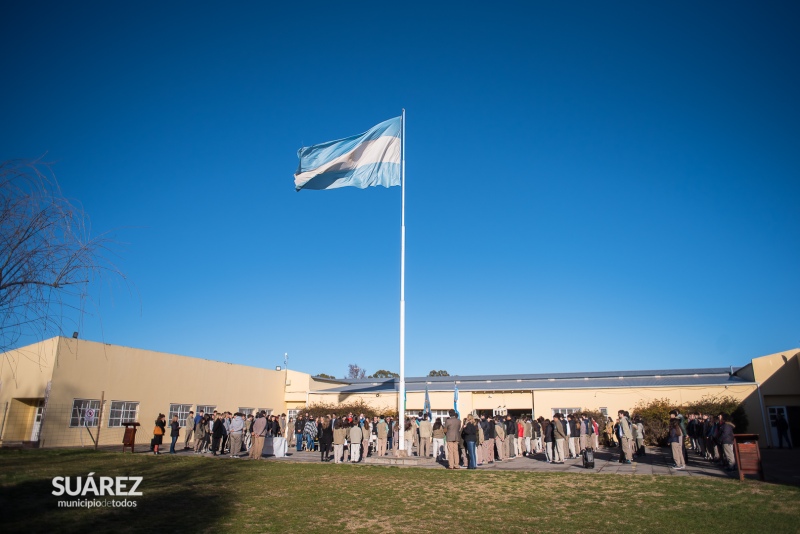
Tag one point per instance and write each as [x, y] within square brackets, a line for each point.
[628, 379]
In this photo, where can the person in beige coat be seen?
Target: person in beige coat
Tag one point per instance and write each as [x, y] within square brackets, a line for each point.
[356, 437]
[339, 437]
[452, 428]
[425, 434]
[500, 439]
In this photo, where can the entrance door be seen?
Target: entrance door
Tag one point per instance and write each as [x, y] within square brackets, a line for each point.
[773, 412]
[37, 420]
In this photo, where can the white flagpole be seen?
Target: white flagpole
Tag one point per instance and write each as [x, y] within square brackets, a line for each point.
[401, 419]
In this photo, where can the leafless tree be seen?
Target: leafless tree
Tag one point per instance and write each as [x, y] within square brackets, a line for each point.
[48, 260]
[354, 371]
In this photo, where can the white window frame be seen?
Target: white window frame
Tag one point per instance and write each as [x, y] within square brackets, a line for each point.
[122, 412]
[444, 414]
[78, 415]
[292, 414]
[182, 411]
[208, 409]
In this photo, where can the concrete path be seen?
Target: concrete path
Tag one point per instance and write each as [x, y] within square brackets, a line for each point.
[781, 466]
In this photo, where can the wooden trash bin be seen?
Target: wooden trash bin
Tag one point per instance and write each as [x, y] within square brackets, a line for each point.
[129, 439]
[748, 455]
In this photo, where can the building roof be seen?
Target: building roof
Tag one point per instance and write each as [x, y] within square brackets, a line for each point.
[590, 380]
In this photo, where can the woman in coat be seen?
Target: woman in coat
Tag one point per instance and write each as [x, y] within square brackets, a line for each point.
[470, 435]
[438, 439]
[325, 439]
[159, 431]
[409, 431]
[175, 430]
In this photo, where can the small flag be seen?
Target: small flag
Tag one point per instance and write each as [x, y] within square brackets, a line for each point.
[426, 408]
[364, 160]
[455, 402]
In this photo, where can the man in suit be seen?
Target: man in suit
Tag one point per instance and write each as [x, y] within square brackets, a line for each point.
[452, 430]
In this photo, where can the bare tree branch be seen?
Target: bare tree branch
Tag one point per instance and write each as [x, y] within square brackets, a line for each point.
[48, 259]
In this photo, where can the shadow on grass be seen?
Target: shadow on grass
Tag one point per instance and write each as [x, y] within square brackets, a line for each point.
[170, 491]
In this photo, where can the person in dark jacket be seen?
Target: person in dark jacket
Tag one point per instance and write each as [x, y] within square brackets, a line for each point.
[488, 439]
[159, 431]
[511, 437]
[175, 430]
[217, 434]
[782, 425]
[299, 424]
[675, 441]
[470, 435]
[726, 439]
[548, 440]
[325, 439]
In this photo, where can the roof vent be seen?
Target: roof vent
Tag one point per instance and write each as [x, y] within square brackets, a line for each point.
[586, 379]
[519, 380]
[658, 376]
[551, 379]
[488, 381]
[458, 381]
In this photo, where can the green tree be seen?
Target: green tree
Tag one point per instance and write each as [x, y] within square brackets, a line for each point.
[438, 373]
[323, 375]
[383, 373]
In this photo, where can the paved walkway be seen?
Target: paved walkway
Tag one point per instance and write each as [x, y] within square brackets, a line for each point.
[781, 466]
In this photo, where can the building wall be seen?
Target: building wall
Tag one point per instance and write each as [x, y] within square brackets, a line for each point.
[24, 374]
[779, 373]
[85, 369]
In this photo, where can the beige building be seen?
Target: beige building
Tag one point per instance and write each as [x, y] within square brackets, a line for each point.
[63, 392]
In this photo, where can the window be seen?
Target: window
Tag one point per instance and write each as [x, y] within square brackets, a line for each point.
[443, 414]
[267, 411]
[181, 410]
[565, 411]
[207, 409]
[292, 414]
[246, 411]
[122, 412]
[80, 407]
[604, 411]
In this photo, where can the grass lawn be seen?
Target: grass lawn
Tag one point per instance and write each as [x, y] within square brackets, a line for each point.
[185, 493]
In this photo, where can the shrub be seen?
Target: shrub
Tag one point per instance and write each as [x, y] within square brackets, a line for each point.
[716, 404]
[356, 407]
[655, 418]
[655, 414]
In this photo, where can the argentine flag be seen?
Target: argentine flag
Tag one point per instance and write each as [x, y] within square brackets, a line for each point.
[364, 160]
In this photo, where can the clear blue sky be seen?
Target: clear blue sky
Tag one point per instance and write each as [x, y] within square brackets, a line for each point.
[590, 185]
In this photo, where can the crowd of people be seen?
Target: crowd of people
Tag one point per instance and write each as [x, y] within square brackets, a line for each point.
[454, 442]
[709, 437]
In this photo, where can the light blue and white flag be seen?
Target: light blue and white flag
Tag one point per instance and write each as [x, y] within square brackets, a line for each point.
[426, 408]
[455, 401]
[364, 160]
